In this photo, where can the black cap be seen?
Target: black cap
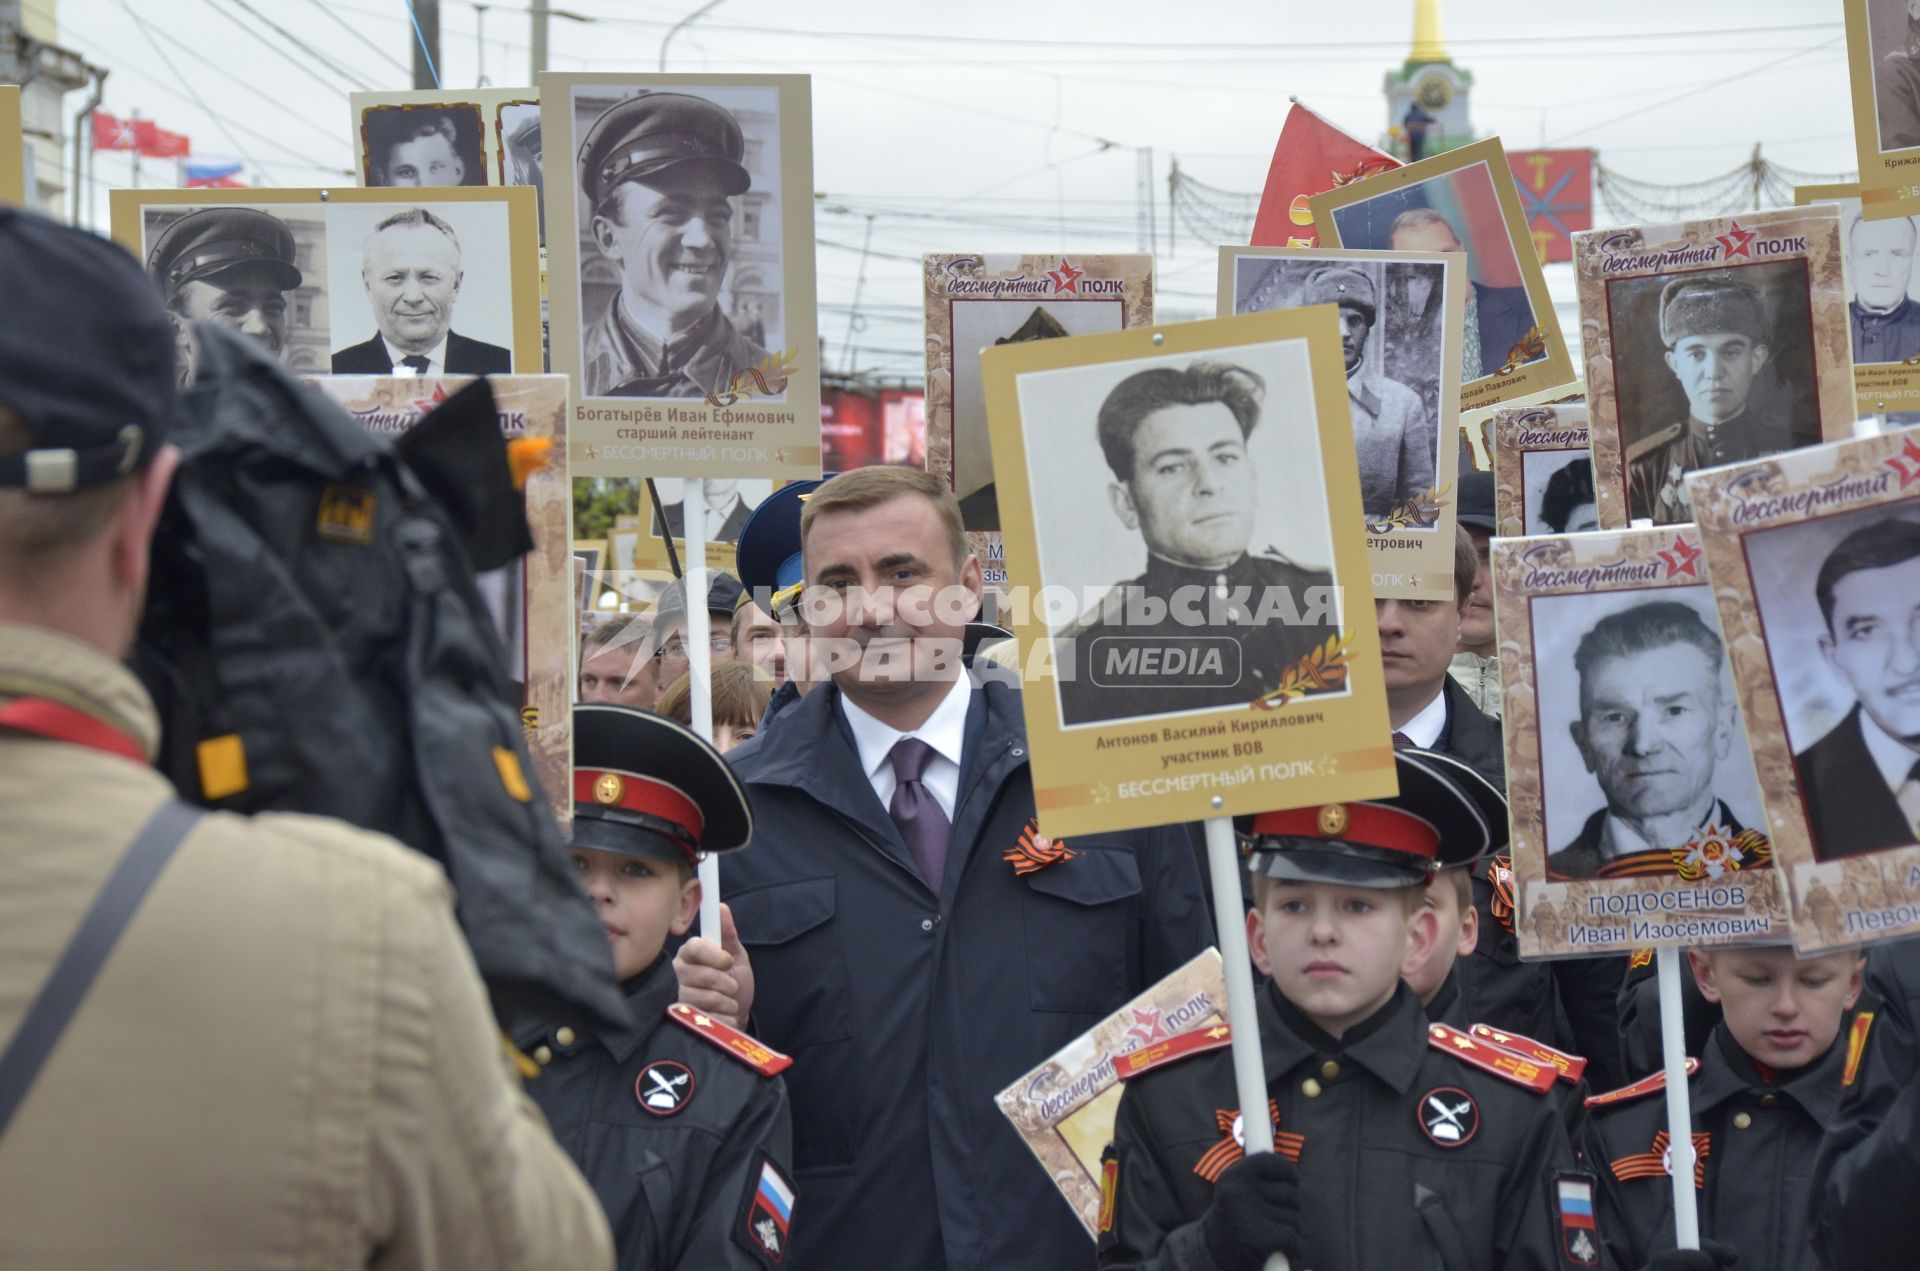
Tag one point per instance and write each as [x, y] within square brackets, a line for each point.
[644, 785]
[87, 356]
[654, 132]
[768, 553]
[1445, 814]
[201, 244]
[1476, 501]
[724, 594]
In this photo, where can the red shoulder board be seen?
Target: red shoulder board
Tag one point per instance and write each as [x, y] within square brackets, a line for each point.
[762, 1059]
[1188, 1044]
[1569, 1066]
[1856, 1046]
[1652, 1083]
[1498, 1060]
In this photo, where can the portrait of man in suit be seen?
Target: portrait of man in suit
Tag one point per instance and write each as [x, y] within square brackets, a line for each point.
[411, 268]
[424, 146]
[1861, 780]
[1498, 318]
[726, 504]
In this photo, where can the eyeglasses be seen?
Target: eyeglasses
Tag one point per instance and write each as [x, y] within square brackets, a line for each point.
[677, 648]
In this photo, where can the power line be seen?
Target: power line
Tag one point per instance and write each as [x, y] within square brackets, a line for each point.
[220, 120]
[1697, 89]
[361, 36]
[302, 67]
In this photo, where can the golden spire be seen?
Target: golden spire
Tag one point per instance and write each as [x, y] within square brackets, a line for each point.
[1429, 45]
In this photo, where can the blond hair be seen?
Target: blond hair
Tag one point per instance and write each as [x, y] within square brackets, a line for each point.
[739, 696]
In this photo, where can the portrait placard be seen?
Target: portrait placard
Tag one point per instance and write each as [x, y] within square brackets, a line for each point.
[726, 504]
[1883, 59]
[1464, 200]
[531, 599]
[1476, 425]
[680, 273]
[1815, 557]
[470, 136]
[1400, 320]
[1065, 1108]
[975, 302]
[1197, 638]
[13, 149]
[1543, 472]
[1883, 300]
[1636, 820]
[351, 281]
[1710, 342]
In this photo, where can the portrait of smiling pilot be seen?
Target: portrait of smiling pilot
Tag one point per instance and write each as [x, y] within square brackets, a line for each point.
[411, 268]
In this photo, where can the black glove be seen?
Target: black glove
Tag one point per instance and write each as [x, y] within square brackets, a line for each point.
[1712, 1255]
[1255, 1213]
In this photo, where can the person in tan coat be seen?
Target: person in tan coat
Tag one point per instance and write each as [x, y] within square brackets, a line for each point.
[287, 1060]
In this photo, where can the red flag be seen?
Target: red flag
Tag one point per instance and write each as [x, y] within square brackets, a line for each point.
[156, 142]
[1313, 156]
[112, 133]
[1556, 194]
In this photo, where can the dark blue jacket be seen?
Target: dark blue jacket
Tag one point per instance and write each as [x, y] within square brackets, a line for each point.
[906, 1013]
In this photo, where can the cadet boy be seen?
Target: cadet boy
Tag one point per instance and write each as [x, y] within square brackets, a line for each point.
[679, 1122]
[1765, 1089]
[1399, 1142]
[1432, 978]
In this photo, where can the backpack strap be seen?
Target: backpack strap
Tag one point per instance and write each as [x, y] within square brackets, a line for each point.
[53, 1008]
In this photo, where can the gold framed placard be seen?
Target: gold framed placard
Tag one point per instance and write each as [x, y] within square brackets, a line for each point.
[375, 273]
[1883, 299]
[1883, 61]
[1400, 320]
[680, 273]
[975, 302]
[1543, 472]
[1710, 342]
[1476, 425]
[448, 137]
[1198, 636]
[1815, 557]
[1636, 820]
[13, 148]
[532, 600]
[1064, 1109]
[1465, 200]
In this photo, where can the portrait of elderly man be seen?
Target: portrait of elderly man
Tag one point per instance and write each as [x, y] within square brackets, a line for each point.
[661, 172]
[1654, 727]
[1861, 780]
[1716, 333]
[1212, 622]
[1886, 322]
[1394, 435]
[411, 267]
[423, 146]
[1497, 317]
[231, 266]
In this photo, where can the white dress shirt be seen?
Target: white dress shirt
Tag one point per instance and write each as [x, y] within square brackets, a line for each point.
[945, 731]
[436, 358]
[1424, 729]
[1893, 757]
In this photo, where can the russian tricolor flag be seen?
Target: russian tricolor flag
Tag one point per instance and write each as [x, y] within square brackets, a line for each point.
[775, 1196]
[1576, 1203]
[214, 176]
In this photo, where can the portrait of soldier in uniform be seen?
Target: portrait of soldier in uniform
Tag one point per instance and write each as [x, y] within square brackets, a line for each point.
[424, 146]
[980, 509]
[1720, 348]
[1655, 728]
[1214, 621]
[520, 152]
[1498, 318]
[410, 266]
[231, 266]
[1884, 317]
[663, 175]
[1895, 26]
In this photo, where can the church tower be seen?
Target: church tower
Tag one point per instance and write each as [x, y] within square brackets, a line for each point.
[1428, 93]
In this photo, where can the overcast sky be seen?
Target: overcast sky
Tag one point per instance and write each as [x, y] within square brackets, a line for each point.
[993, 125]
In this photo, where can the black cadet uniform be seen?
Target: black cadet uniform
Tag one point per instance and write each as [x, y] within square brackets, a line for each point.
[1415, 1145]
[678, 1122]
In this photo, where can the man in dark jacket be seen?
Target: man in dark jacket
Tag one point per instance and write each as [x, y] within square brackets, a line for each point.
[893, 936]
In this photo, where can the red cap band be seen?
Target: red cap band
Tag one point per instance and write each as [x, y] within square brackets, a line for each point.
[610, 788]
[1369, 824]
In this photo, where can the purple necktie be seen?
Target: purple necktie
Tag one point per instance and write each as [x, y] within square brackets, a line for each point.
[923, 823]
[1401, 741]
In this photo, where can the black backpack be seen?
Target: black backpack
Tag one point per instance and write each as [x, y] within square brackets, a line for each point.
[315, 642]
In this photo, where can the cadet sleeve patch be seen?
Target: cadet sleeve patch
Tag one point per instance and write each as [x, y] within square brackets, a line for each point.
[1196, 1042]
[664, 1087]
[763, 1059]
[1497, 1060]
[1856, 1046]
[1448, 1116]
[1639, 958]
[1568, 1066]
[1109, 1186]
[1579, 1237]
[766, 1213]
[1652, 1083]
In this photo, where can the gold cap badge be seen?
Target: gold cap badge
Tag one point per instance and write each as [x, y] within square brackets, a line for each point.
[609, 788]
[1333, 819]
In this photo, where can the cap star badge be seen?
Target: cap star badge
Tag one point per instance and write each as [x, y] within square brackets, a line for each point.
[1448, 1116]
[664, 1087]
[609, 788]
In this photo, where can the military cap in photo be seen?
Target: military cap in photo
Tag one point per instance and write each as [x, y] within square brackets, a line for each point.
[646, 786]
[87, 356]
[1341, 285]
[1711, 304]
[201, 244]
[1475, 501]
[653, 132]
[1445, 814]
[525, 136]
[768, 553]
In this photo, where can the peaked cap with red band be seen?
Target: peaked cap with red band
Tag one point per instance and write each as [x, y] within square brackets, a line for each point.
[1445, 814]
[646, 786]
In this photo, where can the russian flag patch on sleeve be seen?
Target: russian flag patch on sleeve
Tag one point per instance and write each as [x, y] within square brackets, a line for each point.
[767, 1213]
[1573, 1205]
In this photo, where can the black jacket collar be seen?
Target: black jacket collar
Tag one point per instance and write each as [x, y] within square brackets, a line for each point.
[1389, 1043]
[1728, 1073]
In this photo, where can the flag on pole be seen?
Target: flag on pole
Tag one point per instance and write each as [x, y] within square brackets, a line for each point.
[156, 142]
[110, 132]
[1313, 157]
[214, 176]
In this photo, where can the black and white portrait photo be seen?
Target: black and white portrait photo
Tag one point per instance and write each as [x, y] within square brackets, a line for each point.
[1392, 333]
[1839, 601]
[421, 290]
[1558, 488]
[1894, 36]
[1642, 749]
[1883, 299]
[678, 204]
[1711, 367]
[437, 145]
[1183, 541]
[724, 503]
[984, 324]
[261, 271]
[516, 131]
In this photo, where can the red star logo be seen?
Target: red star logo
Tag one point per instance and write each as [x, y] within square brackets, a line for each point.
[1066, 278]
[1736, 242]
[1146, 1025]
[426, 405]
[1684, 558]
[1907, 463]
